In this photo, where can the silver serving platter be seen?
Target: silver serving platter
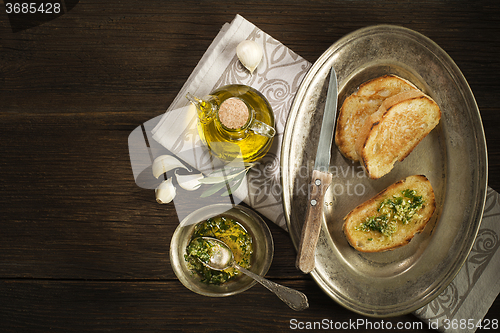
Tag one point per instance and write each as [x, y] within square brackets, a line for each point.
[453, 157]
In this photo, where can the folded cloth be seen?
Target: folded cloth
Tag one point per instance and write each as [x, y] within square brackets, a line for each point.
[277, 77]
[463, 304]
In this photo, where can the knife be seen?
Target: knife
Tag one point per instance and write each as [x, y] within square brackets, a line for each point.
[320, 181]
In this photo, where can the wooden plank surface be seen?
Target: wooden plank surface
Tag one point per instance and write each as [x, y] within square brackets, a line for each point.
[83, 248]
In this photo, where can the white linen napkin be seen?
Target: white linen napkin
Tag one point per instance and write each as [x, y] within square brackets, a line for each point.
[463, 304]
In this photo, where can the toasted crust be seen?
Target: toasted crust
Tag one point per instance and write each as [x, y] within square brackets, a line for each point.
[374, 241]
[391, 133]
[360, 105]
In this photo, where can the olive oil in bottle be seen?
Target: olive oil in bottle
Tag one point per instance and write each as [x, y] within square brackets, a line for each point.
[235, 121]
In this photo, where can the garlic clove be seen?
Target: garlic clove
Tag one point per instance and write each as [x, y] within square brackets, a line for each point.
[189, 182]
[250, 54]
[165, 163]
[165, 192]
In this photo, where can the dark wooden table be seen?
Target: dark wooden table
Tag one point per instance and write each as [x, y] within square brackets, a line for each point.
[82, 247]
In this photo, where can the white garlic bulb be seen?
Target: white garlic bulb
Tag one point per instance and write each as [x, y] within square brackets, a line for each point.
[165, 163]
[189, 182]
[250, 54]
[165, 192]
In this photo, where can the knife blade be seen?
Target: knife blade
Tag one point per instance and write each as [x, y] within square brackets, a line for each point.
[320, 181]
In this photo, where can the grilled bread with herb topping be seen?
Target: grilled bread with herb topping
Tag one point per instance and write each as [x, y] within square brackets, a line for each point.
[360, 105]
[391, 133]
[391, 218]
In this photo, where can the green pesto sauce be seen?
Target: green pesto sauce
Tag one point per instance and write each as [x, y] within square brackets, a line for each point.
[230, 232]
[398, 209]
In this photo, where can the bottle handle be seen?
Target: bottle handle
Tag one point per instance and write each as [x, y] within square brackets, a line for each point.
[260, 128]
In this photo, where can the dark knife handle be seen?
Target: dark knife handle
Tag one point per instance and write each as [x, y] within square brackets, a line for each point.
[312, 225]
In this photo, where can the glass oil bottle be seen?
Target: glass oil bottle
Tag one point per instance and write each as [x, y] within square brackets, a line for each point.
[235, 121]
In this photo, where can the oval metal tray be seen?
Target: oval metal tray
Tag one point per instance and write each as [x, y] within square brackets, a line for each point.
[453, 157]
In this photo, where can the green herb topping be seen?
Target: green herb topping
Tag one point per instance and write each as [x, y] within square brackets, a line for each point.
[230, 232]
[398, 209]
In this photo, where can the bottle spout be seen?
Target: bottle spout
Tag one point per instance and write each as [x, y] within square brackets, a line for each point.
[206, 107]
[196, 101]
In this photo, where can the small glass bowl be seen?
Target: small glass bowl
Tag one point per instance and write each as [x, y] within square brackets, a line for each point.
[263, 249]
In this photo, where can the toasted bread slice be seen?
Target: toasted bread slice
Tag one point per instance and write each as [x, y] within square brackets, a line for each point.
[362, 232]
[391, 133]
[360, 105]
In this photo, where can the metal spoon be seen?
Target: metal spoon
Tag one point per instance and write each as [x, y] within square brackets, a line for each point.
[221, 257]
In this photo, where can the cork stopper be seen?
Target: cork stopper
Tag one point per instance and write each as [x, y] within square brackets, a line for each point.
[233, 113]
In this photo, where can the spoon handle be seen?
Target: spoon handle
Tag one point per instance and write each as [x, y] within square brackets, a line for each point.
[293, 298]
